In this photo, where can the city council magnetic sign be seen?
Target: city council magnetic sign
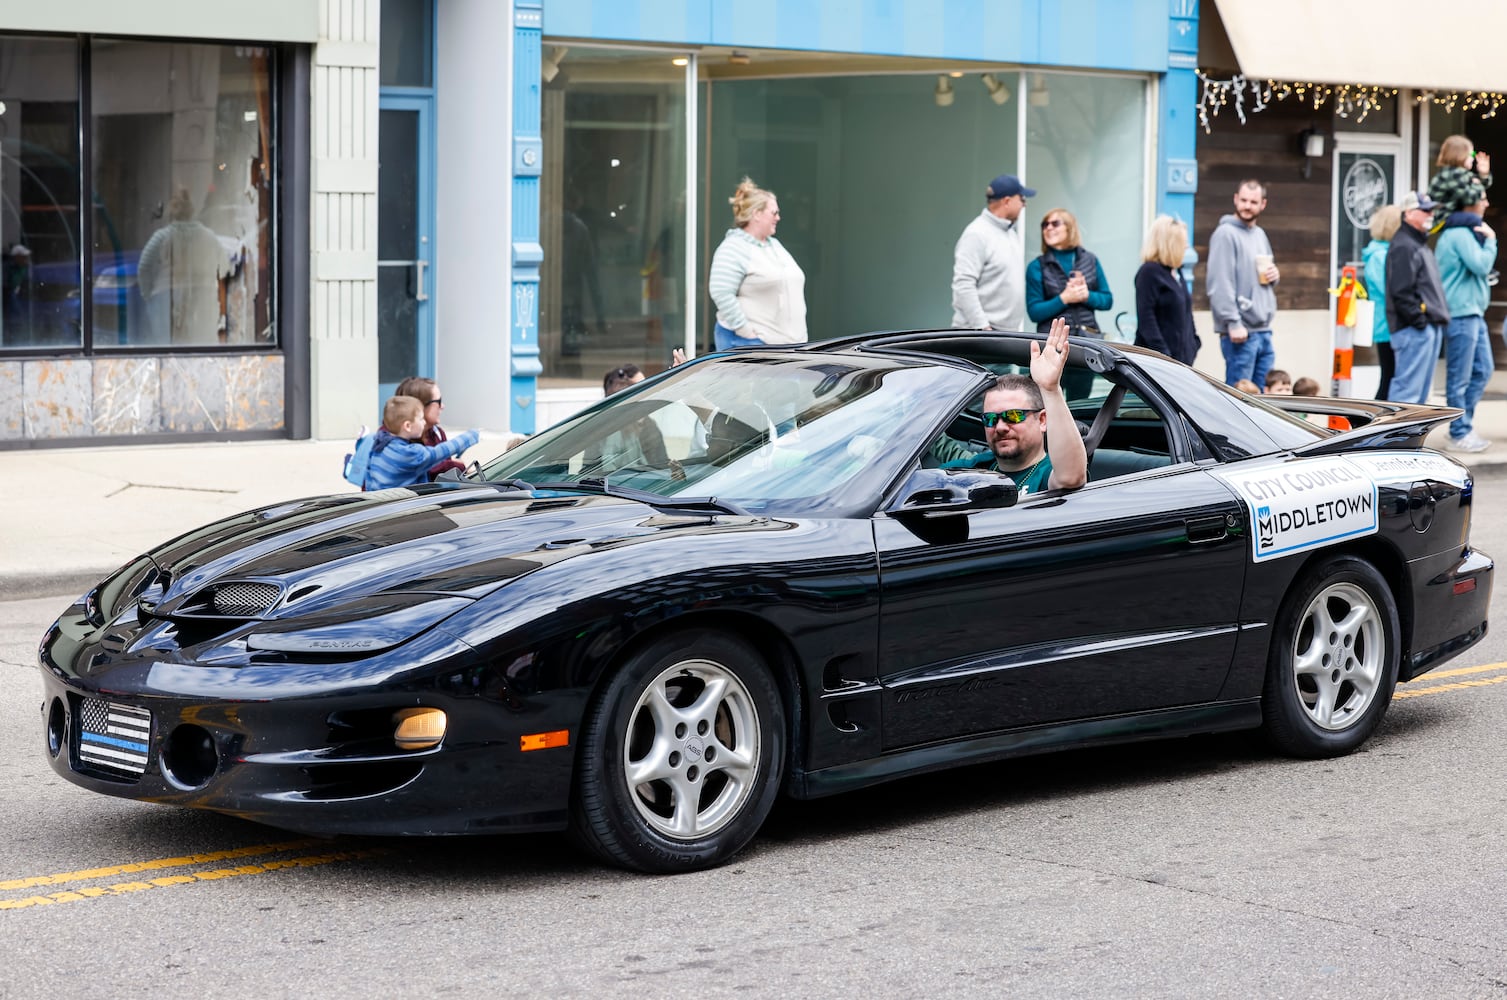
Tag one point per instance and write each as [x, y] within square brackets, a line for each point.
[1305, 504]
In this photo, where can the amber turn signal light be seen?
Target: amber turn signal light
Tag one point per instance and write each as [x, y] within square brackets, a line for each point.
[543, 741]
[418, 728]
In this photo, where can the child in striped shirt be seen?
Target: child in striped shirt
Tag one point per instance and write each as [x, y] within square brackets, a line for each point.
[398, 457]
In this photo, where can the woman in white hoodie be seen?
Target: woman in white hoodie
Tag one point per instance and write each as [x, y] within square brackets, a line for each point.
[759, 289]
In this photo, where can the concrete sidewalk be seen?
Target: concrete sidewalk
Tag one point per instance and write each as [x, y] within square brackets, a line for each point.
[71, 515]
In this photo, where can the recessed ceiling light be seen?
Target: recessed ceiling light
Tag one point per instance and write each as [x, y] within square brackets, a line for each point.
[680, 61]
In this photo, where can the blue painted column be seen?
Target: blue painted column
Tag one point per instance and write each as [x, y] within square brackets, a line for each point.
[1178, 134]
[528, 150]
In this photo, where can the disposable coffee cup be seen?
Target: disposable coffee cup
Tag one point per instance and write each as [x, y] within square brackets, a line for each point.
[1263, 261]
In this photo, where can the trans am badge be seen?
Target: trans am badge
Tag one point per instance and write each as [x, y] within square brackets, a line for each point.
[1305, 504]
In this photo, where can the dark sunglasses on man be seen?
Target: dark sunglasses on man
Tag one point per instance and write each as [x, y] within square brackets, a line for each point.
[1008, 416]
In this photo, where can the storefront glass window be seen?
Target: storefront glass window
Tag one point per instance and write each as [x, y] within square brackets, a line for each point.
[39, 193]
[1086, 152]
[407, 42]
[876, 177]
[612, 202]
[182, 194]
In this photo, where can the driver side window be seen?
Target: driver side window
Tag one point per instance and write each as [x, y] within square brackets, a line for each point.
[1133, 437]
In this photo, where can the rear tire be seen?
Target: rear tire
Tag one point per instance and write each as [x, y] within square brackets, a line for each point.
[680, 756]
[1333, 660]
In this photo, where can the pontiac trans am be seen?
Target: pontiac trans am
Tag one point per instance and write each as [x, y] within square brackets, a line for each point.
[758, 574]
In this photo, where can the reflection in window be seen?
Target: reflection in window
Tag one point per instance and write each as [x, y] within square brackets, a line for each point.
[182, 194]
[39, 193]
[1066, 114]
[612, 222]
[826, 147]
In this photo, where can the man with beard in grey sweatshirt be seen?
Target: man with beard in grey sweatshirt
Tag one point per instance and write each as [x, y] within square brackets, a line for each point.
[1241, 282]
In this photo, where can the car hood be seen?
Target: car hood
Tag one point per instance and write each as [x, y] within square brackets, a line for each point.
[459, 539]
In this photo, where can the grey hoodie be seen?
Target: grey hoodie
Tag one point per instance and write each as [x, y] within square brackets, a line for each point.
[1236, 297]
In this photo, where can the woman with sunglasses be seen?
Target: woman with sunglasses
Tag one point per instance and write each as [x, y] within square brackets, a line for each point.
[1066, 283]
[427, 392]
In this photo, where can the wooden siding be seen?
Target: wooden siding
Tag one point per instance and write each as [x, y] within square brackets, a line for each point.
[1296, 219]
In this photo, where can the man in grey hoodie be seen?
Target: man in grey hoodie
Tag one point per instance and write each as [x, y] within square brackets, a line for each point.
[1242, 294]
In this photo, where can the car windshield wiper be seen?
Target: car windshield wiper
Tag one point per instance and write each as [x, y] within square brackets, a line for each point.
[511, 484]
[669, 505]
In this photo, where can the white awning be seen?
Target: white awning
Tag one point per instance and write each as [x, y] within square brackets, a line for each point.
[1384, 43]
[255, 21]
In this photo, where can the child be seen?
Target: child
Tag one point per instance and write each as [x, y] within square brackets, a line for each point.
[398, 458]
[427, 392]
[1305, 386]
[1462, 180]
[1246, 385]
[1278, 383]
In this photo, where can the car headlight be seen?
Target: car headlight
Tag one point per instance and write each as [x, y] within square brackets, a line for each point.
[359, 635]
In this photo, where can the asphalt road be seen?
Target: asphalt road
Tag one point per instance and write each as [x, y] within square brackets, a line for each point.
[1195, 867]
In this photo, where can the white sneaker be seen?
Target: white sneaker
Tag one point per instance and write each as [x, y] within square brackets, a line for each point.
[1469, 444]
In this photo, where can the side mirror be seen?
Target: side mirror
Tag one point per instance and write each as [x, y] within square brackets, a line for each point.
[941, 492]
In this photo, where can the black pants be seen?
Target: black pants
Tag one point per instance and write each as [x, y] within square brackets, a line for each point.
[1388, 368]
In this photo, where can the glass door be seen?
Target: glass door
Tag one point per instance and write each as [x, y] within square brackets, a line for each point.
[405, 245]
[1365, 178]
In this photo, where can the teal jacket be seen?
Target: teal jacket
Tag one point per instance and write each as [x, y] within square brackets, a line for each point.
[1463, 265]
[1374, 260]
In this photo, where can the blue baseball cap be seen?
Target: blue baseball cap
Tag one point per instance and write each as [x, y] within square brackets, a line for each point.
[1005, 185]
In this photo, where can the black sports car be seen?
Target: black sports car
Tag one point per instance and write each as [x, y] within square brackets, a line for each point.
[753, 574]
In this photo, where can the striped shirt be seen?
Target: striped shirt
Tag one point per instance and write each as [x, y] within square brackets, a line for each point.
[759, 289]
[397, 461]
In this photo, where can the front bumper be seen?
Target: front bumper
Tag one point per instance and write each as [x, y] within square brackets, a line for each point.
[308, 747]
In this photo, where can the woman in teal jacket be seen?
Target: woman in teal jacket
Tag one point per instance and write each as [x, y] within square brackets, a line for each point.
[1374, 263]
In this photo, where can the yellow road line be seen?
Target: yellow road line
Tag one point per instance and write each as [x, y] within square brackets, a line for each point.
[157, 865]
[1412, 692]
[1434, 675]
[167, 881]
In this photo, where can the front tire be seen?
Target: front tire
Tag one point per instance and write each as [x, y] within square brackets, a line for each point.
[1333, 661]
[680, 755]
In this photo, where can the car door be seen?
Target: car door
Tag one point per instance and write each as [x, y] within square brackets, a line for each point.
[1120, 597]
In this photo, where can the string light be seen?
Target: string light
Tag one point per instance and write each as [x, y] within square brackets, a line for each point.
[1350, 100]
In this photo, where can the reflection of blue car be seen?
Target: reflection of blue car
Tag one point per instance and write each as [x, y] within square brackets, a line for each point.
[44, 301]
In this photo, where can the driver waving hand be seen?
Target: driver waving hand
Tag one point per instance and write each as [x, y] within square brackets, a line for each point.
[1017, 411]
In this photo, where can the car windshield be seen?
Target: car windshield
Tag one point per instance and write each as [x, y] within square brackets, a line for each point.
[769, 432]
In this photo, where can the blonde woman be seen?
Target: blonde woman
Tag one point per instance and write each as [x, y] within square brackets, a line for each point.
[1384, 224]
[1163, 308]
[759, 289]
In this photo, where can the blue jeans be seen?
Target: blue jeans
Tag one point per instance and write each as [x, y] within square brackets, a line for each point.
[1251, 359]
[1415, 351]
[726, 339]
[1468, 365]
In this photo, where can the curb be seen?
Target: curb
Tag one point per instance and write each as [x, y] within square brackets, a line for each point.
[61, 583]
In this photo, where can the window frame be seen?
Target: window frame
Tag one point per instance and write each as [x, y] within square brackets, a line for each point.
[282, 65]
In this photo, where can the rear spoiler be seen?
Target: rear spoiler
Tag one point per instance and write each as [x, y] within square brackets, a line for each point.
[1373, 423]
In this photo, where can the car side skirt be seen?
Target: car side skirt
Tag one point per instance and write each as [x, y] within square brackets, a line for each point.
[1211, 718]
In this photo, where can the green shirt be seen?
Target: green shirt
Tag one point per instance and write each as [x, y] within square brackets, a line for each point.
[1034, 479]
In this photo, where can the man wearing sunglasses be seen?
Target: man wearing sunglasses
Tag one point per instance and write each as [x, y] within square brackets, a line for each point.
[1017, 411]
